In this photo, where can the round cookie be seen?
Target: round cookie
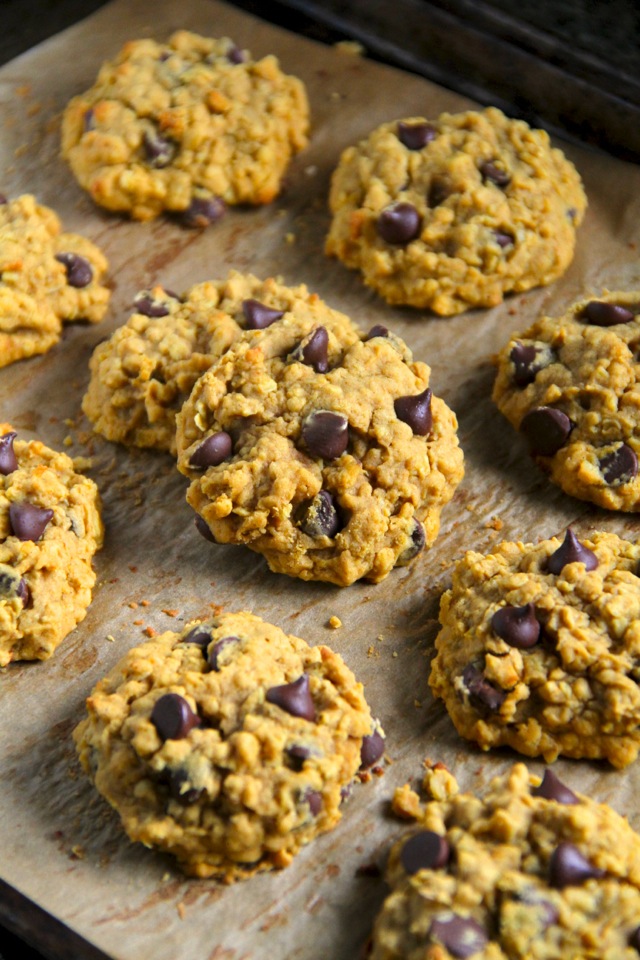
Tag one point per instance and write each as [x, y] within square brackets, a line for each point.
[571, 386]
[538, 648]
[185, 126]
[229, 745]
[46, 278]
[50, 528]
[319, 448]
[454, 213]
[529, 870]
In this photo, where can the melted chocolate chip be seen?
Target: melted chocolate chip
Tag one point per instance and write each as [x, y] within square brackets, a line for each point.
[551, 788]
[546, 429]
[13, 586]
[314, 350]
[149, 306]
[321, 518]
[415, 544]
[202, 211]
[314, 799]
[179, 789]
[399, 223]
[294, 697]
[79, 270]
[571, 551]
[28, 522]
[172, 717]
[157, 149]
[297, 755]
[8, 461]
[494, 174]
[378, 330]
[620, 466]
[415, 136]
[482, 694]
[235, 55]
[89, 120]
[547, 911]
[439, 190]
[203, 529]
[602, 314]
[528, 359]
[258, 316]
[325, 434]
[503, 239]
[461, 936]
[568, 868]
[200, 635]
[213, 451]
[216, 650]
[517, 626]
[424, 851]
[372, 749]
[634, 939]
[416, 411]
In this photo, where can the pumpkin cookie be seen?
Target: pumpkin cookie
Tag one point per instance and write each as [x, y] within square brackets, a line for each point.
[229, 745]
[455, 213]
[185, 126]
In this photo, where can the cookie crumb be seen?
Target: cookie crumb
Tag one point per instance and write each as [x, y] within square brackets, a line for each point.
[350, 47]
[170, 612]
[334, 622]
[150, 632]
[111, 638]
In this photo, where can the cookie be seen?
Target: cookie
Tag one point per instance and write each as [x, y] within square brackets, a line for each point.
[50, 528]
[530, 869]
[455, 213]
[538, 648]
[570, 386]
[186, 126]
[320, 448]
[46, 278]
[229, 745]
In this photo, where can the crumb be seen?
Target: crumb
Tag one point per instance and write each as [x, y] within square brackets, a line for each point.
[495, 523]
[138, 623]
[380, 638]
[23, 90]
[334, 95]
[334, 622]
[171, 613]
[311, 170]
[406, 803]
[351, 47]
[133, 605]
[145, 603]
[438, 782]
[150, 632]
[68, 422]
[394, 654]
[290, 238]
[82, 463]
[111, 638]
[181, 910]
[77, 852]
[68, 441]
[133, 568]
[417, 704]
[21, 150]
[469, 508]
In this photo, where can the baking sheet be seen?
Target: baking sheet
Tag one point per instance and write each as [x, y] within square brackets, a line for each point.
[61, 846]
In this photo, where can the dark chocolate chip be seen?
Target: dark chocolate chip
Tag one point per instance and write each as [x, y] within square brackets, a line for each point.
[8, 461]
[164, 56]
[297, 755]
[399, 223]
[571, 551]
[158, 150]
[13, 586]
[551, 788]
[321, 518]
[416, 411]
[150, 306]
[415, 544]
[439, 190]
[528, 359]
[88, 121]
[172, 717]
[28, 522]
[200, 635]
[494, 174]
[314, 799]
[294, 697]
[482, 694]
[79, 270]
[325, 434]
[634, 939]
[461, 936]
[424, 851]
[620, 466]
[216, 650]
[314, 350]
[415, 136]
[203, 529]
[546, 430]
[378, 330]
[258, 316]
[548, 911]
[202, 211]
[236, 55]
[372, 749]
[212, 451]
[517, 626]
[503, 239]
[568, 868]
[602, 314]
[179, 790]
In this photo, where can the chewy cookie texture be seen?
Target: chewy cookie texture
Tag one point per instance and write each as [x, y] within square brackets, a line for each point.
[47, 277]
[319, 447]
[538, 648]
[229, 745]
[529, 871]
[455, 213]
[185, 126]
[50, 528]
[571, 386]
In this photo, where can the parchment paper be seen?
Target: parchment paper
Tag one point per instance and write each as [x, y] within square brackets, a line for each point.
[60, 844]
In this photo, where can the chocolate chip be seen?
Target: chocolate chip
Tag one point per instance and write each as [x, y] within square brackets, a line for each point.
[297, 754]
[294, 697]
[13, 586]
[258, 316]
[179, 790]
[150, 306]
[551, 788]
[416, 411]
[199, 635]
[325, 434]
[28, 522]
[568, 868]
[399, 223]
[602, 314]
[415, 136]
[494, 174]
[321, 518]
[634, 939]
[548, 911]
[372, 749]
[424, 851]
[415, 544]
[8, 461]
[79, 270]
[546, 430]
[3, 200]
[158, 150]
[571, 551]
[314, 799]
[212, 451]
[517, 626]
[88, 121]
[203, 529]
[202, 211]
[482, 694]
[461, 936]
[377, 331]
[216, 650]
[439, 190]
[503, 239]
[620, 466]
[172, 717]
[236, 55]
[528, 359]
[314, 350]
